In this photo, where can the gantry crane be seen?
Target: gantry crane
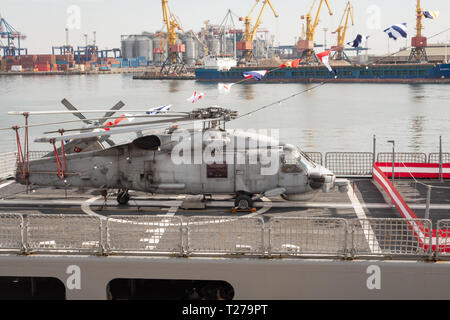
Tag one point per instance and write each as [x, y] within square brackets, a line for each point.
[249, 35]
[11, 35]
[342, 32]
[174, 62]
[419, 43]
[306, 47]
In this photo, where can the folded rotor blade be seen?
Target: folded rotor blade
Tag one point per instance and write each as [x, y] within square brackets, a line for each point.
[113, 131]
[134, 124]
[114, 109]
[70, 107]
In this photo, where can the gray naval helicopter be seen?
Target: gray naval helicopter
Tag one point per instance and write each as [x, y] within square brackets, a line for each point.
[174, 161]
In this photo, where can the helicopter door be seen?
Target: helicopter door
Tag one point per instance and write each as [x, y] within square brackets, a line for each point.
[249, 175]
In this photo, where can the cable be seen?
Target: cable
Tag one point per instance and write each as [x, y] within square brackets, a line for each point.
[421, 183]
[317, 86]
[282, 100]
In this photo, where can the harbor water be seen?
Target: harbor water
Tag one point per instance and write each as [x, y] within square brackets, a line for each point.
[331, 118]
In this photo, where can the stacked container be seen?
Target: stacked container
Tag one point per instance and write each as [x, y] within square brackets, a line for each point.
[46, 62]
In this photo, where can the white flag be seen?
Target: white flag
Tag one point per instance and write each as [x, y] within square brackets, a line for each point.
[195, 97]
[225, 87]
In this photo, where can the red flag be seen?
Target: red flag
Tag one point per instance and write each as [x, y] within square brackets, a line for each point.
[291, 64]
[117, 121]
[323, 56]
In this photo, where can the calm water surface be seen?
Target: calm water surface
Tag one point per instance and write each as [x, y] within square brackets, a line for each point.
[334, 117]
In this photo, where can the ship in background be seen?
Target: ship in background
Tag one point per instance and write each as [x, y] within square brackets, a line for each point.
[420, 63]
[401, 68]
[378, 73]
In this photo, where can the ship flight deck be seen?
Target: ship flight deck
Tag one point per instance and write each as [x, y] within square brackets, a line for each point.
[365, 199]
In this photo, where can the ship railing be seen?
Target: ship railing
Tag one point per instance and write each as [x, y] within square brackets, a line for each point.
[407, 157]
[291, 237]
[11, 233]
[316, 157]
[7, 165]
[442, 240]
[144, 235]
[225, 235]
[350, 164]
[62, 234]
[276, 237]
[434, 157]
[390, 238]
[8, 162]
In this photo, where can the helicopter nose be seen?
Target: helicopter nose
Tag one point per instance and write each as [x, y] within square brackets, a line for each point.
[321, 178]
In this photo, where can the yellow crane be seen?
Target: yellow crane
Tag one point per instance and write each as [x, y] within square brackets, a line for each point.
[161, 49]
[175, 49]
[342, 32]
[305, 47]
[249, 35]
[419, 42]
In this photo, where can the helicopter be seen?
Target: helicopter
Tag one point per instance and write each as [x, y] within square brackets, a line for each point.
[205, 160]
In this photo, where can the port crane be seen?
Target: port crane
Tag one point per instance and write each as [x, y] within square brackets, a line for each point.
[249, 34]
[228, 26]
[174, 62]
[11, 35]
[419, 43]
[341, 32]
[306, 47]
[162, 45]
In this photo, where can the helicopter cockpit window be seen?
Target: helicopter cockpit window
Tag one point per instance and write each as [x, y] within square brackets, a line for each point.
[291, 161]
[214, 171]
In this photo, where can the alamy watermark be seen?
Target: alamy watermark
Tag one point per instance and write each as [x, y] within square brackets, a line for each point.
[254, 147]
[73, 21]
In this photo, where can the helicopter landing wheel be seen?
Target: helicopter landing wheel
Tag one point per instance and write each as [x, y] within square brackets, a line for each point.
[123, 197]
[243, 202]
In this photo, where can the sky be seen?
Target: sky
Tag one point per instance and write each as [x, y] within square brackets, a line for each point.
[44, 21]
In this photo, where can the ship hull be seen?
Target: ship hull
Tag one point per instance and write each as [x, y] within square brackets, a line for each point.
[406, 73]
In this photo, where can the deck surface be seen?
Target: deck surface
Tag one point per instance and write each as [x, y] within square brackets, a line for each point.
[372, 199]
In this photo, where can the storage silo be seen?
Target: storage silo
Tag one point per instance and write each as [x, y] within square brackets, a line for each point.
[142, 47]
[128, 47]
[191, 52]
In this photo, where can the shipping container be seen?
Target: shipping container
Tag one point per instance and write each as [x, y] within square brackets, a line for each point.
[42, 67]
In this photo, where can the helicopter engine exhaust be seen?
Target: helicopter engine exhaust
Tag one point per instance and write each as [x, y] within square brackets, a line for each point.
[154, 142]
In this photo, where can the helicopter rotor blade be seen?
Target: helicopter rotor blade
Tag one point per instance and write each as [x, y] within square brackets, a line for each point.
[77, 114]
[134, 124]
[114, 131]
[114, 109]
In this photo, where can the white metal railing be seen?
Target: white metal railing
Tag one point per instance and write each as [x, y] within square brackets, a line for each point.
[8, 162]
[63, 233]
[443, 239]
[11, 228]
[225, 236]
[144, 234]
[391, 237]
[7, 165]
[308, 236]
